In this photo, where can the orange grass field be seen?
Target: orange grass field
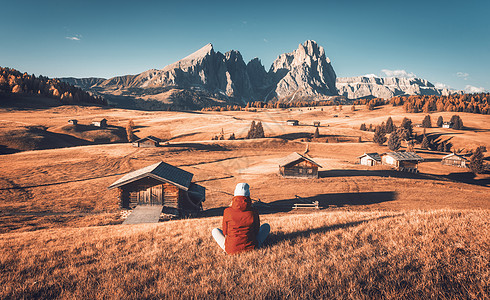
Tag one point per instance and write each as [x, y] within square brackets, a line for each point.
[379, 234]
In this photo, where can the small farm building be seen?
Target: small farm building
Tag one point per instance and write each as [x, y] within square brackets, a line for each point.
[163, 185]
[370, 159]
[297, 165]
[147, 142]
[73, 121]
[101, 123]
[402, 161]
[316, 124]
[455, 160]
[293, 122]
[447, 125]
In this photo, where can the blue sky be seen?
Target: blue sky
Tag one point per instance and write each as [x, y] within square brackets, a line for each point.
[445, 42]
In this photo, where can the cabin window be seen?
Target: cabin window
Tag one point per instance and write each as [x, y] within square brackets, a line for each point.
[310, 171]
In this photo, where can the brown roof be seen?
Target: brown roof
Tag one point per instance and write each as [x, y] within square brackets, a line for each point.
[159, 171]
[150, 137]
[460, 157]
[404, 156]
[294, 157]
[373, 155]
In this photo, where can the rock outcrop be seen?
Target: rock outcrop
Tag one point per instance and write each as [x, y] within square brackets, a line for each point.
[363, 86]
[306, 71]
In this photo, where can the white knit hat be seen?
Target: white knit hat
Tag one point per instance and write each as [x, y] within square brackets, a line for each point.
[242, 189]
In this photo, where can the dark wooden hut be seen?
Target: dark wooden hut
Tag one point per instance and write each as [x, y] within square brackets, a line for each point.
[293, 122]
[147, 142]
[402, 161]
[297, 165]
[73, 121]
[163, 185]
[100, 123]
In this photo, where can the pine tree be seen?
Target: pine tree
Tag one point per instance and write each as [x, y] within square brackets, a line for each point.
[379, 135]
[426, 123]
[407, 124]
[425, 143]
[457, 122]
[448, 146]
[476, 160]
[259, 130]
[441, 147]
[389, 127]
[363, 127]
[232, 136]
[440, 121]
[251, 131]
[316, 134]
[394, 142]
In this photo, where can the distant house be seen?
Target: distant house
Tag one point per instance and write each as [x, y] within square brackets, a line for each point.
[316, 124]
[455, 160]
[73, 121]
[370, 159]
[402, 161]
[418, 125]
[162, 185]
[147, 142]
[447, 125]
[293, 122]
[297, 165]
[101, 123]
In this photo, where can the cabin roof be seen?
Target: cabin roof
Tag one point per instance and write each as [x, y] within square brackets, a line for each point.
[373, 155]
[404, 156]
[292, 121]
[294, 157]
[455, 156]
[150, 137]
[160, 171]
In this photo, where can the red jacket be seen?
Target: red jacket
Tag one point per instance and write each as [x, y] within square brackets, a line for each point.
[240, 225]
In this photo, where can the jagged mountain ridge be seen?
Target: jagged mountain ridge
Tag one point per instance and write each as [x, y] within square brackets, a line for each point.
[386, 88]
[208, 77]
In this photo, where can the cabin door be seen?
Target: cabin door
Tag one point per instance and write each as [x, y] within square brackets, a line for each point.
[151, 196]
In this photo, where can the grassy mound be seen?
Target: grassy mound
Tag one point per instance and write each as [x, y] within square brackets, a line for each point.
[395, 255]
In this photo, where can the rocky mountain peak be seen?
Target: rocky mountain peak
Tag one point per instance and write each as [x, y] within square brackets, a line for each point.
[306, 71]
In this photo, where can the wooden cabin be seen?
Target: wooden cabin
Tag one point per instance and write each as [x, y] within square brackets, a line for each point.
[293, 122]
[454, 159]
[316, 124]
[296, 165]
[402, 161]
[147, 142]
[73, 121]
[163, 185]
[370, 159]
[102, 123]
[447, 125]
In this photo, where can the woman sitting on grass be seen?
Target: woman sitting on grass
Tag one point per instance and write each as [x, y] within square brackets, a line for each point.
[241, 224]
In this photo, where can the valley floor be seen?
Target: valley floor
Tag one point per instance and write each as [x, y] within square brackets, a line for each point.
[380, 233]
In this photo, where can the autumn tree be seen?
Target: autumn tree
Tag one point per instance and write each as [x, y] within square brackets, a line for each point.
[259, 130]
[427, 123]
[130, 131]
[363, 127]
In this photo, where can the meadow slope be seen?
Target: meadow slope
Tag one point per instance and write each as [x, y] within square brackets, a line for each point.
[393, 255]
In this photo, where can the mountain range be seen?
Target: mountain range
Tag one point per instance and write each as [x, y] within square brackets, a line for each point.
[208, 77]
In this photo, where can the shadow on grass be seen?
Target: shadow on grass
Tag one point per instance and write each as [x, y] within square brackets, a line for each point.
[276, 238]
[197, 146]
[324, 200]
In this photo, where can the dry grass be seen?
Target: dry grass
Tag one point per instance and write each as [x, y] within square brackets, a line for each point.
[417, 254]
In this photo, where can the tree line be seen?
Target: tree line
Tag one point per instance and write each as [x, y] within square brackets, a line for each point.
[15, 82]
[471, 103]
